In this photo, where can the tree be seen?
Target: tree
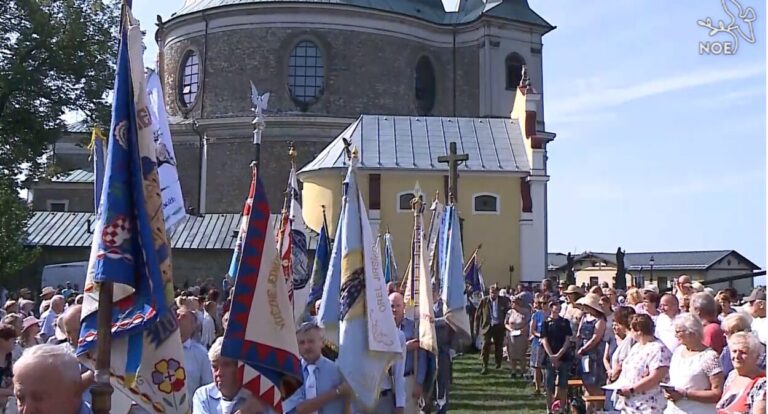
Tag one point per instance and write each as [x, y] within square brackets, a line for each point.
[13, 222]
[55, 56]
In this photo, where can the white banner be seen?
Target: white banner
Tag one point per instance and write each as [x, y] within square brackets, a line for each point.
[173, 200]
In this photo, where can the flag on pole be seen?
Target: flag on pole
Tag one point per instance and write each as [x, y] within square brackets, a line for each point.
[369, 339]
[99, 156]
[452, 293]
[170, 186]
[472, 275]
[235, 263]
[390, 266]
[299, 268]
[435, 248]
[261, 331]
[424, 303]
[328, 316]
[320, 266]
[130, 249]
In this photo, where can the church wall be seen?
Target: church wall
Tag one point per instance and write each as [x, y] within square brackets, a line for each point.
[365, 73]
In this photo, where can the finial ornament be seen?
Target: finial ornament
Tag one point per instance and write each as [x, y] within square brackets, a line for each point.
[525, 81]
[354, 156]
[291, 150]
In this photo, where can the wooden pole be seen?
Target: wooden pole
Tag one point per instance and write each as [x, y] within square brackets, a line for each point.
[102, 389]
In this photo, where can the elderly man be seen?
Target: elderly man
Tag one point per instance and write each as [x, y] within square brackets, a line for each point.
[704, 307]
[324, 390]
[226, 394]
[669, 308]
[756, 301]
[683, 287]
[490, 318]
[45, 298]
[46, 379]
[415, 376]
[196, 363]
[392, 398]
[48, 318]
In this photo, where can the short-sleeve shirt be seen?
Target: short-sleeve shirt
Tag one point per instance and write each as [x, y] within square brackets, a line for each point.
[556, 331]
[714, 337]
[643, 359]
[692, 372]
[731, 393]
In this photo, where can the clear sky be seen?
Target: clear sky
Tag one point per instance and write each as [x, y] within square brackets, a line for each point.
[658, 148]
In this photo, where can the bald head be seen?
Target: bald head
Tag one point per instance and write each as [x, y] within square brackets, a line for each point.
[187, 322]
[47, 380]
[71, 323]
[398, 306]
[57, 304]
[669, 305]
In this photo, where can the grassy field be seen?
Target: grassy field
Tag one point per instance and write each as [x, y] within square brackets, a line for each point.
[496, 392]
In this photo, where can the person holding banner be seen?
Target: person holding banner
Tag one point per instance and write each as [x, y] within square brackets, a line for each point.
[490, 318]
[324, 390]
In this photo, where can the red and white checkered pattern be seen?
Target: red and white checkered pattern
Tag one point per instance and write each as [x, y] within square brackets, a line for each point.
[116, 232]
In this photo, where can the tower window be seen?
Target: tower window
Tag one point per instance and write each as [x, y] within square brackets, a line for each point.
[190, 79]
[306, 73]
[514, 69]
[425, 86]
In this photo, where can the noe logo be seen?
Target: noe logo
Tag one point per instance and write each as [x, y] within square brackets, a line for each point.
[740, 25]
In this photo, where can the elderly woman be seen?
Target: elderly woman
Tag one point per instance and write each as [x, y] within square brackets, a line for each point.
[517, 322]
[732, 324]
[590, 344]
[618, 347]
[540, 315]
[744, 391]
[724, 308]
[643, 371]
[695, 375]
[30, 330]
[634, 298]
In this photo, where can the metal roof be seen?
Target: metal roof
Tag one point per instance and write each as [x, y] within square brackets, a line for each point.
[65, 229]
[414, 143]
[74, 176]
[684, 260]
[79, 127]
[428, 10]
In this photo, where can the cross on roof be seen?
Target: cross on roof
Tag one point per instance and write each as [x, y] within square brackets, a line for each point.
[453, 160]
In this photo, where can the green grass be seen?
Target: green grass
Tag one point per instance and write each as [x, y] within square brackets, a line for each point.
[496, 392]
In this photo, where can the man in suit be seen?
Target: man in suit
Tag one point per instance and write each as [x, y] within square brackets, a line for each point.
[490, 318]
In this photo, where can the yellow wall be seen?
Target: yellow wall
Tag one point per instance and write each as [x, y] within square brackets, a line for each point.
[498, 233]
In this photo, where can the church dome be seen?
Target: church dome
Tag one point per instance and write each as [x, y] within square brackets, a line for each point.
[429, 10]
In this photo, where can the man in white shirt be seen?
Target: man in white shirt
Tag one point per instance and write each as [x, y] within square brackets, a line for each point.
[196, 362]
[757, 305]
[48, 318]
[669, 308]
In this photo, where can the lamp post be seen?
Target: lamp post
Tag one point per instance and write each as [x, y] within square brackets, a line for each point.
[652, 262]
[511, 270]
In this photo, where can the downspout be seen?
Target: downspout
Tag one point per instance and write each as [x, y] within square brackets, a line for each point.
[203, 137]
[453, 65]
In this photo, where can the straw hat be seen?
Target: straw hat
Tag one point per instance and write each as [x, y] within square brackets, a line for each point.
[573, 289]
[591, 300]
[47, 291]
[9, 304]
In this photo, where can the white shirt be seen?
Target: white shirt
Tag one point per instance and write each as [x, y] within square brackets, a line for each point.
[692, 372]
[760, 328]
[48, 324]
[665, 332]
[196, 365]
[209, 331]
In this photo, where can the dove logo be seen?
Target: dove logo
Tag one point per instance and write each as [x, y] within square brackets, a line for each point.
[739, 27]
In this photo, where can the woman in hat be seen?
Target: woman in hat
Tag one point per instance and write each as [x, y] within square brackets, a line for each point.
[517, 324]
[590, 345]
[30, 330]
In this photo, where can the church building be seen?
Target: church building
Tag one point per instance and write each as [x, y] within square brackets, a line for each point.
[401, 79]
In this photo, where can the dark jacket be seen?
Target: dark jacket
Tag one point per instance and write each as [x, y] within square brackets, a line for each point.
[483, 313]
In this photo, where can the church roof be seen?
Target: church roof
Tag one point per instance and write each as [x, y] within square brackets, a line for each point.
[428, 10]
[414, 143]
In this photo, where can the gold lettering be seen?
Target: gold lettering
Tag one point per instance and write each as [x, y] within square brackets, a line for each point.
[274, 304]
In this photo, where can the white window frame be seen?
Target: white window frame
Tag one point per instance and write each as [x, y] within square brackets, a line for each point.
[397, 201]
[49, 202]
[498, 203]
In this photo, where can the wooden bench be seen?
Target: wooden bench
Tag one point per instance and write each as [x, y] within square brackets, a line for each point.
[573, 383]
[594, 398]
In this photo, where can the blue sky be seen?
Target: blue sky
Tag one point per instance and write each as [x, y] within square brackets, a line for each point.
[658, 148]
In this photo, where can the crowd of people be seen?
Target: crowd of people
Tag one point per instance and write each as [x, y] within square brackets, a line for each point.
[689, 350]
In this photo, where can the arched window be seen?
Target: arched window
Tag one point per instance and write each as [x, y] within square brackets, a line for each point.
[190, 79]
[306, 73]
[485, 203]
[514, 64]
[425, 86]
[404, 200]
